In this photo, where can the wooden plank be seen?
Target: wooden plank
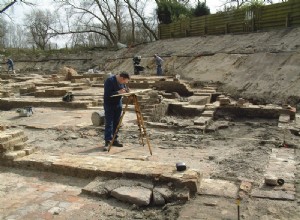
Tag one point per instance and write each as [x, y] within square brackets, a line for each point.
[267, 16]
[288, 8]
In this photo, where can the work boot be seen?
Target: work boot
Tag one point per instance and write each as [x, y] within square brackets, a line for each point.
[105, 148]
[117, 144]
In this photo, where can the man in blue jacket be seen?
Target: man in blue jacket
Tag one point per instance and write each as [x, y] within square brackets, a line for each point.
[113, 85]
[10, 65]
[159, 62]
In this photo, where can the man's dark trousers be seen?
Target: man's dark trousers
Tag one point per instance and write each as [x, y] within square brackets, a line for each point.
[112, 118]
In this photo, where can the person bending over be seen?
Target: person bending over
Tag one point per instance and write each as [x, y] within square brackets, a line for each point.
[10, 66]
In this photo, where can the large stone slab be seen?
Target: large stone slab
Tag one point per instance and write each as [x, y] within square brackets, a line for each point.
[92, 166]
[282, 164]
[256, 111]
[273, 194]
[217, 187]
[135, 195]
[202, 120]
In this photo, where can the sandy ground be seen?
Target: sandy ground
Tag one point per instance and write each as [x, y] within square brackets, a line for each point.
[262, 67]
[240, 151]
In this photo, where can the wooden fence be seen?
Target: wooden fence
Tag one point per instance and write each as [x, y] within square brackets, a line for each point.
[280, 15]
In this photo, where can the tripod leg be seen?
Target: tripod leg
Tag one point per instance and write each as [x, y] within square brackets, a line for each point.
[138, 118]
[141, 123]
[119, 125]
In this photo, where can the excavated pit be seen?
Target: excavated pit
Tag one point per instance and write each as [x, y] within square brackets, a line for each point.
[233, 124]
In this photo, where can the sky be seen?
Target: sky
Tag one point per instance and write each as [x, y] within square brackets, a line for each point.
[17, 12]
[19, 9]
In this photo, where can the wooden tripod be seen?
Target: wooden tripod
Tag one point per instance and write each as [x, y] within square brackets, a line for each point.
[140, 122]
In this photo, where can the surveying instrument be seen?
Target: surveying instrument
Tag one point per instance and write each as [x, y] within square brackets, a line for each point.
[131, 96]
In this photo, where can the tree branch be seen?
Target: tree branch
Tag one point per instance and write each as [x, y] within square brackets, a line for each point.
[8, 6]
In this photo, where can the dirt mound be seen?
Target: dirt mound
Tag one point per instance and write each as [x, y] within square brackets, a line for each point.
[67, 72]
[263, 67]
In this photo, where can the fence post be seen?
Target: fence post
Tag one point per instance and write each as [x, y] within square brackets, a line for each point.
[287, 20]
[253, 24]
[159, 31]
[226, 28]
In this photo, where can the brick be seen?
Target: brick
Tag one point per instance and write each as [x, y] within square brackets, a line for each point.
[29, 150]
[13, 155]
[202, 120]
[4, 137]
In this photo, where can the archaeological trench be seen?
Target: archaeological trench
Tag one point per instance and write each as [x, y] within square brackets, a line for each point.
[237, 137]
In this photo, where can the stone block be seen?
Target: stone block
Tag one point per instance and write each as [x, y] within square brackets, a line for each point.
[246, 186]
[13, 155]
[98, 118]
[273, 194]
[39, 94]
[4, 137]
[89, 166]
[202, 120]
[207, 91]
[55, 92]
[30, 150]
[96, 188]
[284, 118]
[199, 100]
[208, 113]
[9, 145]
[158, 199]
[166, 193]
[15, 133]
[224, 101]
[182, 195]
[19, 146]
[136, 195]
[218, 188]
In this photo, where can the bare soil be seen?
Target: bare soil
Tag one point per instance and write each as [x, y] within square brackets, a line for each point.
[261, 67]
[240, 151]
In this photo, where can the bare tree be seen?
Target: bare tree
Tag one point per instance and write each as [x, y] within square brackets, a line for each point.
[141, 16]
[132, 23]
[7, 5]
[4, 5]
[15, 36]
[3, 31]
[103, 17]
[39, 24]
[111, 20]
[12, 35]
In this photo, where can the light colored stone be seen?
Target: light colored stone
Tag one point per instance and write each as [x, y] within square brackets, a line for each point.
[284, 118]
[208, 113]
[218, 188]
[246, 186]
[135, 195]
[87, 165]
[165, 192]
[98, 118]
[202, 120]
[272, 194]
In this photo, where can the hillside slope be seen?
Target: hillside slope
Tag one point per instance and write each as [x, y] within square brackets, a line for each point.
[260, 66]
[263, 67]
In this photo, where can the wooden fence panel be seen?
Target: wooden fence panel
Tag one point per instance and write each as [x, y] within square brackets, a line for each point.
[197, 26]
[280, 15]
